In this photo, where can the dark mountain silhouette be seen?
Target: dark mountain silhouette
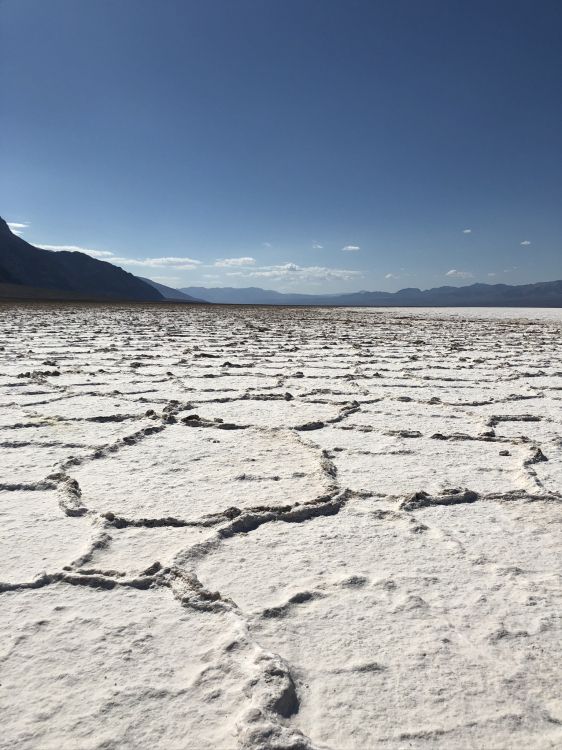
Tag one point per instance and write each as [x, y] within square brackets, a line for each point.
[254, 296]
[31, 272]
[541, 294]
[72, 273]
[173, 295]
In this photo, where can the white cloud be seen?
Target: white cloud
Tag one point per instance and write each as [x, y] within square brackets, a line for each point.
[350, 248]
[172, 262]
[391, 276]
[17, 227]
[467, 231]
[178, 264]
[266, 244]
[454, 274]
[492, 273]
[227, 262]
[317, 246]
[294, 273]
[77, 249]
[525, 243]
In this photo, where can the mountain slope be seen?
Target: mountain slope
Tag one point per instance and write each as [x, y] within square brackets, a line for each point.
[254, 296]
[170, 293]
[70, 272]
[541, 294]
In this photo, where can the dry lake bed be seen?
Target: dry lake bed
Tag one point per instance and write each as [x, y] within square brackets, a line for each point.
[276, 528]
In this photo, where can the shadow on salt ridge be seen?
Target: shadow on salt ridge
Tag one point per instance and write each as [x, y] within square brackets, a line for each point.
[549, 472]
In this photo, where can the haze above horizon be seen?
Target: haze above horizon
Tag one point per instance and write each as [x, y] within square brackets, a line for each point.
[297, 145]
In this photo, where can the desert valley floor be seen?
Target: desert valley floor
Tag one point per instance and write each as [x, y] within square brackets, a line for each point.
[266, 528]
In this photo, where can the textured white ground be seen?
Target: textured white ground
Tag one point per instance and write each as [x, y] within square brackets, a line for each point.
[280, 529]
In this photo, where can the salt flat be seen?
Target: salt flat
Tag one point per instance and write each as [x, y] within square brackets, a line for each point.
[280, 528]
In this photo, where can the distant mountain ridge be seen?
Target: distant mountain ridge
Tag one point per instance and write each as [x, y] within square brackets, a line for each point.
[540, 294]
[248, 296]
[72, 273]
[30, 272]
[169, 293]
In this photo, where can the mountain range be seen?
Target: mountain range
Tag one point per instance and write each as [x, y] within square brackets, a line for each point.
[31, 272]
[169, 293]
[541, 294]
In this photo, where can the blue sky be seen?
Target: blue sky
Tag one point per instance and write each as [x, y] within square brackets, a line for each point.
[310, 145]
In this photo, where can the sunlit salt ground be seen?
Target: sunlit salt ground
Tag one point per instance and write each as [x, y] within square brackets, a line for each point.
[280, 528]
[492, 313]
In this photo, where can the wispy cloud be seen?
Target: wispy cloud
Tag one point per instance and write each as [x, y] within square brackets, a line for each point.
[467, 231]
[317, 246]
[392, 276]
[17, 227]
[454, 274]
[175, 263]
[292, 272]
[492, 273]
[350, 248]
[178, 264]
[525, 243]
[228, 262]
[266, 244]
[101, 254]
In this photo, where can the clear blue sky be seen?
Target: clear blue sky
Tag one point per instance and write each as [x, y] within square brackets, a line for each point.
[246, 142]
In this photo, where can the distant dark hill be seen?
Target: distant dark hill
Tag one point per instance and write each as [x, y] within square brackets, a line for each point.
[169, 293]
[541, 294]
[69, 272]
[254, 296]
[33, 293]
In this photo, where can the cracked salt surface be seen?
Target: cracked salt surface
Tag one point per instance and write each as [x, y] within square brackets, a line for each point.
[189, 472]
[119, 668]
[280, 528]
[34, 538]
